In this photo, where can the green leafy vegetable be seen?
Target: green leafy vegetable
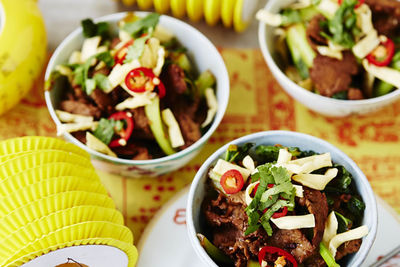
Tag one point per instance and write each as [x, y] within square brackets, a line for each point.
[344, 224]
[138, 27]
[91, 29]
[106, 129]
[340, 95]
[81, 73]
[269, 197]
[382, 88]
[236, 153]
[342, 28]
[102, 81]
[270, 153]
[290, 16]
[135, 51]
[356, 206]
[342, 183]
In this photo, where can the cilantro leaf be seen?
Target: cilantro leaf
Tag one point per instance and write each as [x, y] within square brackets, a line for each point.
[102, 81]
[281, 175]
[285, 187]
[237, 153]
[106, 129]
[135, 51]
[141, 26]
[90, 29]
[342, 28]
[81, 73]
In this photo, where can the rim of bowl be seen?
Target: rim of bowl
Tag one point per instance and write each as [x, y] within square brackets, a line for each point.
[277, 71]
[222, 105]
[315, 140]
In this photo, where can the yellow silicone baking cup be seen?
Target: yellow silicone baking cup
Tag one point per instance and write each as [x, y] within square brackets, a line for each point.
[44, 156]
[29, 143]
[57, 220]
[47, 170]
[67, 234]
[129, 249]
[65, 183]
[38, 158]
[45, 206]
[45, 188]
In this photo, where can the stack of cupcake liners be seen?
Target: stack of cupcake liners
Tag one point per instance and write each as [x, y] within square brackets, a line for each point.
[51, 198]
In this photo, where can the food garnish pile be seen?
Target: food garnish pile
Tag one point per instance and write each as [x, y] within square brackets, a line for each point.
[280, 206]
[136, 95]
[343, 49]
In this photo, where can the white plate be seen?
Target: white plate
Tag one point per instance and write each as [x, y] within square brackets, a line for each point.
[90, 255]
[165, 241]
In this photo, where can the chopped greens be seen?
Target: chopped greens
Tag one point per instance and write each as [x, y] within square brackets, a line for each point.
[91, 29]
[81, 73]
[106, 129]
[342, 28]
[236, 153]
[290, 16]
[141, 26]
[268, 198]
[135, 51]
[344, 224]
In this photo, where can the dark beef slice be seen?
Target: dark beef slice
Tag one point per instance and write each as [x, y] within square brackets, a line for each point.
[141, 129]
[347, 248]
[189, 128]
[316, 204]
[80, 135]
[228, 222]
[174, 80]
[133, 150]
[293, 241]
[313, 32]
[386, 16]
[330, 75]
[355, 94]
[102, 100]
[76, 107]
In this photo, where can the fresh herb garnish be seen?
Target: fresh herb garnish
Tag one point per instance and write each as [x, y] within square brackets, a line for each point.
[91, 29]
[269, 197]
[81, 73]
[138, 27]
[290, 16]
[342, 28]
[236, 153]
[135, 51]
[106, 129]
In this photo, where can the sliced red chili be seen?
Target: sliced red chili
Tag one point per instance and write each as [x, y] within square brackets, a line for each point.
[360, 2]
[232, 181]
[274, 250]
[120, 56]
[281, 213]
[386, 49]
[143, 79]
[126, 133]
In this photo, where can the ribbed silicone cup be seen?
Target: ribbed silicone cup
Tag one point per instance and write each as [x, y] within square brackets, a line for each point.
[57, 220]
[37, 158]
[9, 186]
[53, 170]
[67, 234]
[45, 188]
[32, 143]
[47, 205]
[128, 248]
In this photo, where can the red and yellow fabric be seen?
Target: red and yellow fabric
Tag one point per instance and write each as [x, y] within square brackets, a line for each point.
[257, 103]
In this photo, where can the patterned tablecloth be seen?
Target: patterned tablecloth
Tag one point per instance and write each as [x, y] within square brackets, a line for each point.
[257, 103]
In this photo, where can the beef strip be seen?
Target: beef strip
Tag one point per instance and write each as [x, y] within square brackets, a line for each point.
[355, 94]
[313, 31]
[227, 220]
[316, 203]
[80, 135]
[76, 107]
[103, 101]
[133, 150]
[189, 128]
[386, 16]
[174, 79]
[330, 75]
[293, 241]
[142, 127]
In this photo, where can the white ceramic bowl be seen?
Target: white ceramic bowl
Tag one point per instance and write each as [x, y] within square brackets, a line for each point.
[285, 138]
[321, 104]
[204, 55]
